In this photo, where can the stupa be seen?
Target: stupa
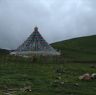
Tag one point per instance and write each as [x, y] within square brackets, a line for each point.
[35, 45]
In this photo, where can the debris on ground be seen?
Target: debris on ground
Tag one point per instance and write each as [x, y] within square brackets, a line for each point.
[26, 89]
[76, 84]
[58, 77]
[93, 76]
[88, 76]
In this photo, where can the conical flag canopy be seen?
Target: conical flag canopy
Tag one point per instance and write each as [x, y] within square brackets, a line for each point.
[36, 44]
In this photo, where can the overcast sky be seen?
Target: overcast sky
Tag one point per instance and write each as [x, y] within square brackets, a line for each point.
[57, 20]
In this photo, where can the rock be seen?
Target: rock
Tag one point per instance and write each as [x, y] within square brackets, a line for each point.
[62, 83]
[59, 74]
[85, 77]
[7, 93]
[76, 84]
[58, 77]
[56, 81]
[80, 77]
[26, 89]
[93, 76]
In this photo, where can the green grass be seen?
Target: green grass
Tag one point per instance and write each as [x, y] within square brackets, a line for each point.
[78, 49]
[40, 73]
[40, 76]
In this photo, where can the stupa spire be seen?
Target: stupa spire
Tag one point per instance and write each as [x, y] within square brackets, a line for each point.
[36, 28]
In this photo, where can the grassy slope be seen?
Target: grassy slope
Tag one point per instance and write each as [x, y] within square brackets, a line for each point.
[40, 74]
[4, 51]
[41, 78]
[80, 49]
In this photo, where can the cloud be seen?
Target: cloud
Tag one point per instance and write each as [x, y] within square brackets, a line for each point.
[57, 20]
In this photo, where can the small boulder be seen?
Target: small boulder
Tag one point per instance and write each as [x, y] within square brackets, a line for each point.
[76, 84]
[62, 83]
[93, 76]
[85, 77]
[58, 77]
[26, 89]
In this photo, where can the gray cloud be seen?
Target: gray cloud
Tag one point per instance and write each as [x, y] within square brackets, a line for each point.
[57, 20]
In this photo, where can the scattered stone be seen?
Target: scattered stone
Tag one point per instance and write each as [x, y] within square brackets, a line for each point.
[88, 76]
[56, 81]
[59, 74]
[85, 77]
[58, 78]
[7, 93]
[93, 76]
[26, 89]
[76, 84]
[62, 83]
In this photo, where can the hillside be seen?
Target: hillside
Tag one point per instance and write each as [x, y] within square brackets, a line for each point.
[51, 75]
[80, 49]
[45, 79]
[4, 51]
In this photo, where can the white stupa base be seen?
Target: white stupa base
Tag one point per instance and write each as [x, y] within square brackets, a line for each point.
[31, 53]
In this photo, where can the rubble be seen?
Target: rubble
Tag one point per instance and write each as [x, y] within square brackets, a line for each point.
[76, 84]
[85, 77]
[88, 76]
[93, 76]
[26, 89]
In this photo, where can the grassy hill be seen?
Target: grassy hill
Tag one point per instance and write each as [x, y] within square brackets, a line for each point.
[4, 51]
[78, 49]
[45, 79]
[51, 75]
